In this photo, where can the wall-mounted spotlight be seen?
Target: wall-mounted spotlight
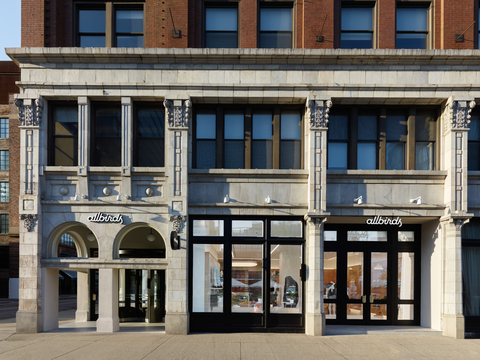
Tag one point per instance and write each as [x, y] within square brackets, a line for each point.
[76, 198]
[268, 200]
[85, 196]
[417, 200]
[226, 199]
[358, 200]
[119, 197]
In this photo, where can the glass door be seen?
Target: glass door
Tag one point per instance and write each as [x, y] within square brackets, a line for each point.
[132, 294]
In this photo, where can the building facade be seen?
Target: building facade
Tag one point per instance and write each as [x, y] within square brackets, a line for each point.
[254, 166]
[9, 179]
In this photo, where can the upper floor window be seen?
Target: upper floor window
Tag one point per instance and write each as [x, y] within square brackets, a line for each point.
[63, 134]
[474, 142]
[4, 130]
[248, 138]
[107, 135]
[276, 27]
[357, 26]
[4, 224]
[4, 192]
[382, 138]
[221, 29]
[4, 257]
[109, 24]
[412, 25]
[149, 127]
[4, 160]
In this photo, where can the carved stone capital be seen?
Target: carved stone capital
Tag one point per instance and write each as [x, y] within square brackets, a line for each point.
[317, 220]
[29, 114]
[317, 113]
[178, 222]
[178, 112]
[28, 221]
[457, 219]
[457, 114]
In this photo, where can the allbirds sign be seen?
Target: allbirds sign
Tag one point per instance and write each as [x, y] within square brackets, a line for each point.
[104, 218]
[378, 220]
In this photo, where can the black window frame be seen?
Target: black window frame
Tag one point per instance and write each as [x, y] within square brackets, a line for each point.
[381, 142]
[359, 4]
[415, 5]
[273, 5]
[248, 110]
[52, 136]
[4, 224]
[4, 128]
[225, 5]
[94, 156]
[110, 8]
[137, 139]
[473, 158]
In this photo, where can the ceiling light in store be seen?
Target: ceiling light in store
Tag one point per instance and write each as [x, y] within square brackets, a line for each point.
[236, 263]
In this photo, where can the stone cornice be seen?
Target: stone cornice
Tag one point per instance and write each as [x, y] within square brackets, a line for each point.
[244, 56]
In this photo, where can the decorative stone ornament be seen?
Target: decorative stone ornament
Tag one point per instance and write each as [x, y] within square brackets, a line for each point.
[317, 113]
[29, 221]
[457, 114]
[29, 115]
[178, 221]
[149, 191]
[63, 191]
[178, 113]
[107, 191]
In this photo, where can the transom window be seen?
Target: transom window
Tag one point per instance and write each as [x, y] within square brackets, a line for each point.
[248, 138]
[4, 130]
[107, 24]
[276, 26]
[412, 25]
[357, 26]
[221, 29]
[382, 138]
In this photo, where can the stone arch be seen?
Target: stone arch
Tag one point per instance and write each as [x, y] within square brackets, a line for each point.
[134, 236]
[78, 231]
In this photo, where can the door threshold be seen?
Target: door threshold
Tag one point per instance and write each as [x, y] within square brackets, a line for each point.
[333, 330]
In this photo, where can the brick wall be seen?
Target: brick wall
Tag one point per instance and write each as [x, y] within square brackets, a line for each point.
[33, 22]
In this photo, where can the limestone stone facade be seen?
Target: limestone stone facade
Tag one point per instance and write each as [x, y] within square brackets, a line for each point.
[53, 199]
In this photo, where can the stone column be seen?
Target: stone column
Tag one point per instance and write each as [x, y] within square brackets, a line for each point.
[108, 300]
[50, 298]
[317, 115]
[83, 146]
[178, 115]
[30, 314]
[83, 310]
[127, 146]
[456, 118]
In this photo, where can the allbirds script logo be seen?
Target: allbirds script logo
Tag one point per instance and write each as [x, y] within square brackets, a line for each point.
[104, 218]
[378, 220]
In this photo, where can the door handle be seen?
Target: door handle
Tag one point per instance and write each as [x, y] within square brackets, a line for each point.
[364, 299]
[372, 299]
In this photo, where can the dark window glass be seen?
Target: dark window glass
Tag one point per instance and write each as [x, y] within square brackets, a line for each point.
[412, 28]
[234, 140]
[290, 144]
[4, 224]
[357, 28]
[91, 27]
[474, 144]
[367, 142]
[275, 27]
[206, 140]
[129, 28]
[221, 27]
[149, 140]
[425, 135]
[4, 130]
[396, 138]
[262, 145]
[4, 192]
[107, 147]
[4, 160]
[65, 135]
[338, 142]
[4, 257]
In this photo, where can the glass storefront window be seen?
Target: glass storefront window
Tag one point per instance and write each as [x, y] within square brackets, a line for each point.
[406, 236]
[247, 278]
[247, 228]
[207, 295]
[207, 227]
[286, 229]
[367, 236]
[355, 275]
[330, 235]
[379, 271]
[354, 311]
[330, 283]
[330, 310]
[285, 282]
[406, 275]
[405, 312]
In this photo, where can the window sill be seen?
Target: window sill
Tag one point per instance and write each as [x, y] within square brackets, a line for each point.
[404, 174]
[108, 169]
[249, 172]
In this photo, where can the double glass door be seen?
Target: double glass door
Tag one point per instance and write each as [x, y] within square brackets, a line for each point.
[371, 277]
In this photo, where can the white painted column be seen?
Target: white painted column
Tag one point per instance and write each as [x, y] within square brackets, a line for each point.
[50, 298]
[83, 309]
[127, 146]
[108, 300]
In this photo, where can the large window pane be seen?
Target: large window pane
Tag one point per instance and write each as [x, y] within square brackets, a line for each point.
[129, 21]
[473, 160]
[91, 21]
[275, 40]
[92, 41]
[247, 228]
[283, 228]
[234, 123]
[411, 41]
[107, 147]
[4, 128]
[395, 156]
[65, 135]
[396, 127]
[424, 155]
[471, 280]
[206, 143]
[262, 126]
[367, 127]
[130, 41]
[275, 19]
[285, 283]
[411, 19]
[247, 278]
[357, 18]
[221, 40]
[290, 125]
[221, 19]
[290, 154]
[355, 275]
[366, 156]
[338, 127]
[149, 142]
[356, 41]
[208, 291]
[337, 155]
[406, 272]
[207, 227]
[330, 283]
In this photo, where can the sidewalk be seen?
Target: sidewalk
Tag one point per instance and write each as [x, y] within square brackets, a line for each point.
[158, 345]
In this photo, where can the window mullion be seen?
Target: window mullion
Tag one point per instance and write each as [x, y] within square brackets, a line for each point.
[220, 139]
[276, 138]
[248, 138]
[382, 129]
[108, 24]
[353, 135]
[411, 139]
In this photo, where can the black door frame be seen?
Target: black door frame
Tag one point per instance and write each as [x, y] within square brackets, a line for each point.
[228, 321]
[392, 246]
